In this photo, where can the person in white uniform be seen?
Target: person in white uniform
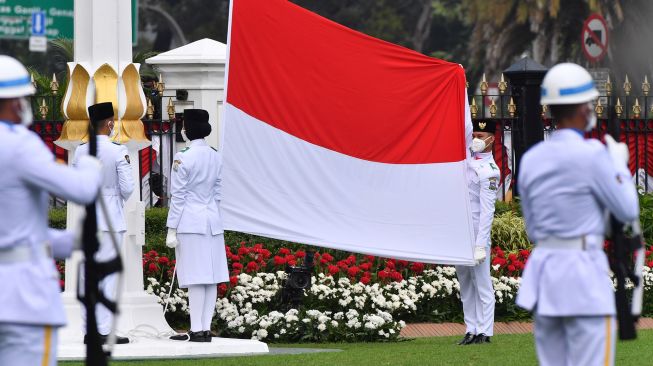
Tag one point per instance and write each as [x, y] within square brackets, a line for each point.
[117, 186]
[566, 184]
[476, 291]
[195, 226]
[32, 310]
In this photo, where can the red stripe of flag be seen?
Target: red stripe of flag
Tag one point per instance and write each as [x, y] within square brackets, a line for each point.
[342, 90]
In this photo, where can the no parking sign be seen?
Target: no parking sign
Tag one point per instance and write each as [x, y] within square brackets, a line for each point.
[594, 38]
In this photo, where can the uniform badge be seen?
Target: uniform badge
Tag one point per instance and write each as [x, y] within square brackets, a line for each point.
[127, 158]
[493, 166]
[176, 164]
[493, 184]
[482, 125]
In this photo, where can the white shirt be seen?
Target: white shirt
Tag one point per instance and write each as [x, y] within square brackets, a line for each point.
[29, 291]
[117, 181]
[195, 190]
[483, 184]
[565, 184]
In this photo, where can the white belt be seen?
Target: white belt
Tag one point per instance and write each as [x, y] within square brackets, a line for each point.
[23, 253]
[581, 243]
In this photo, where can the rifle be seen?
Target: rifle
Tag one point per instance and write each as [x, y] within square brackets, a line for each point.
[624, 247]
[94, 272]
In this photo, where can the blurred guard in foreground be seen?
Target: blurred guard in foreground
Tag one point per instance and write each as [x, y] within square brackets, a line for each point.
[31, 309]
[476, 290]
[117, 186]
[565, 184]
[195, 226]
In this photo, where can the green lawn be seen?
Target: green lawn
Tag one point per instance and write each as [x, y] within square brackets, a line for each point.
[505, 350]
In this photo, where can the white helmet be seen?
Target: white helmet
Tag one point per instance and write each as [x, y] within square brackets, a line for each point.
[568, 83]
[14, 79]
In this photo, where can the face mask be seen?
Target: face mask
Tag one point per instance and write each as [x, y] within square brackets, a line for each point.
[478, 145]
[25, 113]
[183, 135]
[591, 119]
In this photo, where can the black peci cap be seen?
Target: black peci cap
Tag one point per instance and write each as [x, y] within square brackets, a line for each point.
[100, 111]
[196, 123]
[485, 126]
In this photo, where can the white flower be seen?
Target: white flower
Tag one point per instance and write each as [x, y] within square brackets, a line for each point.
[321, 327]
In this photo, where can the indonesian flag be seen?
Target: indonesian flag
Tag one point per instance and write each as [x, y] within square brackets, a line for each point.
[337, 139]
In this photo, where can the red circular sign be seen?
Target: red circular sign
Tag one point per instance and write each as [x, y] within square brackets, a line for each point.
[594, 38]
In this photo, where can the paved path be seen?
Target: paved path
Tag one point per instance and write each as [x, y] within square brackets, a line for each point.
[451, 329]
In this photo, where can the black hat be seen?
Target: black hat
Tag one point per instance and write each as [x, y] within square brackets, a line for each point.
[101, 111]
[485, 126]
[196, 123]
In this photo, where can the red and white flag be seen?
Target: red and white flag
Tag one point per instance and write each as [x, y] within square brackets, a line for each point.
[337, 139]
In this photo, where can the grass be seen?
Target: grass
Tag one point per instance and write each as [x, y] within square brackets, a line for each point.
[505, 350]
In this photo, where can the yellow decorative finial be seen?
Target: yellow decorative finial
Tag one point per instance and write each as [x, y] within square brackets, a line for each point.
[599, 108]
[544, 109]
[484, 85]
[627, 86]
[473, 108]
[54, 85]
[619, 108]
[512, 108]
[150, 109]
[637, 110]
[608, 86]
[171, 109]
[160, 86]
[493, 109]
[646, 87]
[503, 86]
[43, 109]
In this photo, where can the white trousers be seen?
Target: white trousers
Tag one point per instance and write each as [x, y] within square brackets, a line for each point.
[108, 285]
[201, 303]
[477, 295]
[28, 345]
[572, 341]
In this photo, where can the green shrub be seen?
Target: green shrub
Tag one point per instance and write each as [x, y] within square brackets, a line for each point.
[57, 218]
[501, 207]
[509, 232]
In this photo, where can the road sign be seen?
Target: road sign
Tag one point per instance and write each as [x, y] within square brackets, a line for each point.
[38, 43]
[38, 23]
[594, 38]
[16, 18]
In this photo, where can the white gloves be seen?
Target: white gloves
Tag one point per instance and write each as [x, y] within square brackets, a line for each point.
[171, 238]
[479, 255]
[90, 161]
[618, 151]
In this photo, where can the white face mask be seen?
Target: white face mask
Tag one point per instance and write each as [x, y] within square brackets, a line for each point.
[25, 113]
[591, 120]
[478, 145]
[183, 135]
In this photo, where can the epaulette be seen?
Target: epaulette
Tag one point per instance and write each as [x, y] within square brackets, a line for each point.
[214, 149]
[185, 149]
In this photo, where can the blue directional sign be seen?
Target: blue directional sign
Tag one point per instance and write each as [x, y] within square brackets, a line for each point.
[38, 23]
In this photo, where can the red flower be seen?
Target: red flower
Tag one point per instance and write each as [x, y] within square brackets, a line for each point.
[524, 253]
[402, 263]
[396, 276]
[222, 289]
[353, 271]
[650, 264]
[237, 265]
[300, 254]
[343, 264]
[365, 280]
[390, 264]
[235, 258]
[233, 280]
[284, 251]
[500, 252]
[152, 253]
[365, 266]
[252, 266]
[327, 257]
[279, 261]
[519, 265]
[511, 268]
[351, 259]
[500, 261]
[164, 261]
[153, 267]
[367, 274]
[292, 262]
[323, 261]
[417, 267]
[383, 274]
[369, 258]
[290, 257]
[62, 284]
[235, 272]
[333, 269]
[243, 251]
[512, 257]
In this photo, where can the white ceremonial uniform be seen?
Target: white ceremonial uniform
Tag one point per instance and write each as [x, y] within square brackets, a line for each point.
[195, 214]
[31, 308]
[117, 187]
[476, 291]
[565, 184]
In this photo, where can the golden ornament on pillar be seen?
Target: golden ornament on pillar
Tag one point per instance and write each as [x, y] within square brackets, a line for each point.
[608, 87]
[619, 108]
[503, 86]
[473, 108]
[599, 108]
[75, 129]
[54, 84]
[131, 126]
[493, 109]
[484, 85]
[637, 109]
[171, 110]
[512, 108]
[150, 109]
[627, 86]
[43, 109]
[160, 86]
[646, 87]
